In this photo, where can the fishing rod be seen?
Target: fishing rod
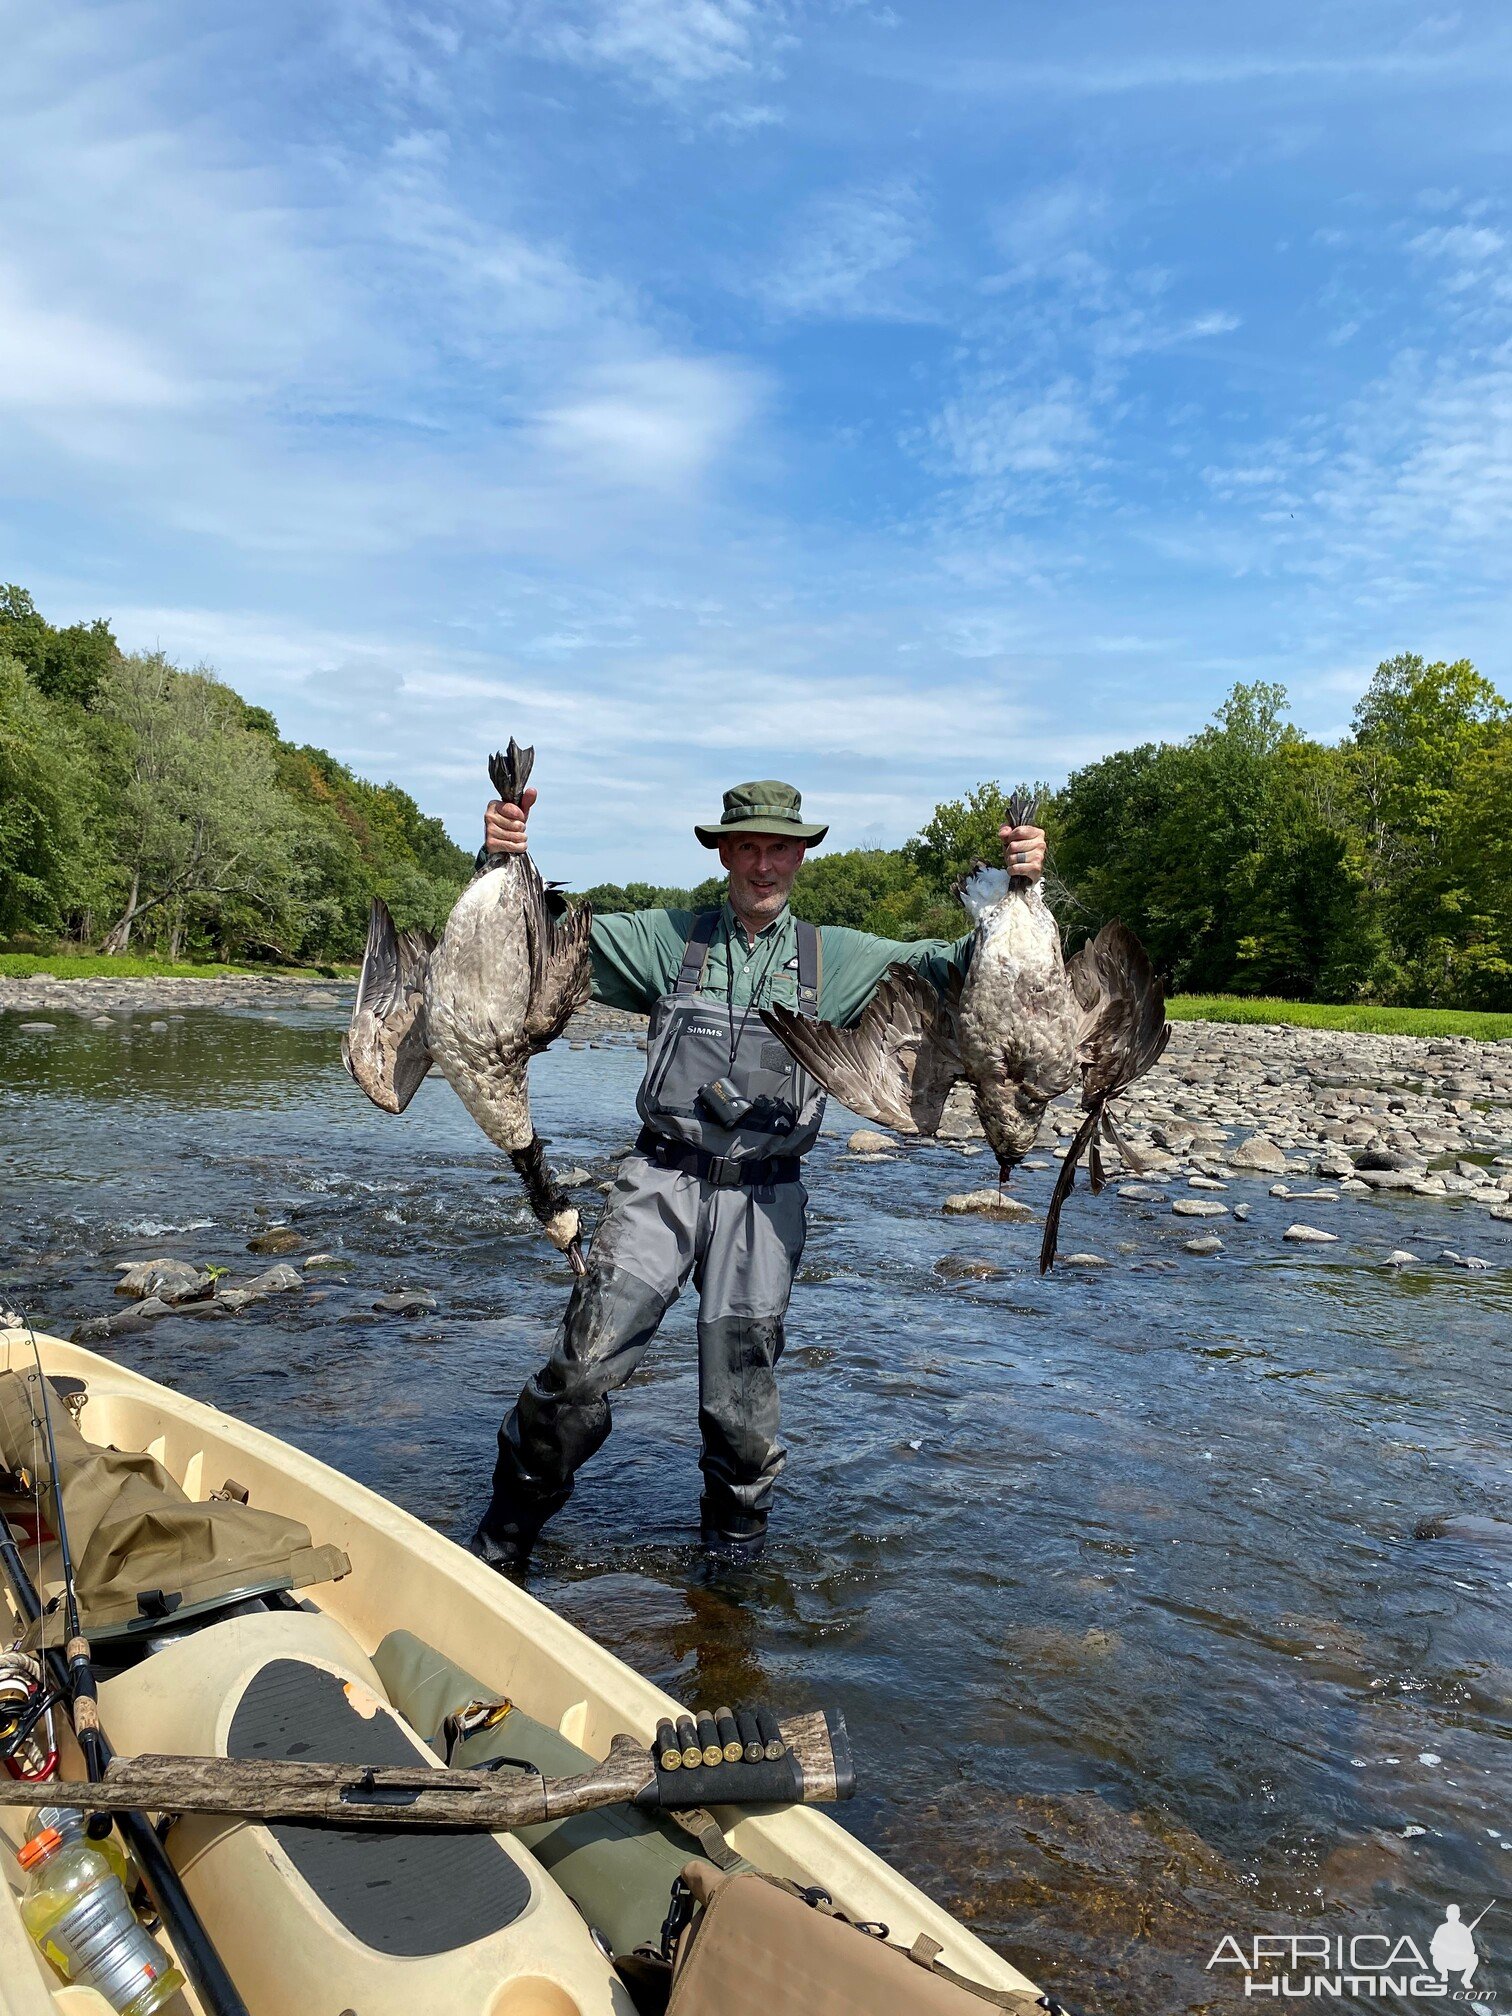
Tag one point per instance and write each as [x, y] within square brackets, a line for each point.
[73, 1676]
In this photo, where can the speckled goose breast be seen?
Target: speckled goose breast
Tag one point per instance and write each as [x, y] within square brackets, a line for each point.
[477, 992]
[1019, 1020]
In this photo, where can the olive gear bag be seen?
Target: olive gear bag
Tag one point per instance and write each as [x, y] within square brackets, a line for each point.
[142, 1550]
[758, 1946]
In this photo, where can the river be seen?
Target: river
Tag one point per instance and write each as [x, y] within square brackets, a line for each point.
[1114, 1574]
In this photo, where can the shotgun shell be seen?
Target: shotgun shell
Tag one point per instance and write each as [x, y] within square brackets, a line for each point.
[750, 1735]
[708, 1736]
[771, 1735]
[668, 1749]
[687, 1735]
[734, 1748]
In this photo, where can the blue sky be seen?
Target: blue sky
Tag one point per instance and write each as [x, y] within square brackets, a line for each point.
[879, 396]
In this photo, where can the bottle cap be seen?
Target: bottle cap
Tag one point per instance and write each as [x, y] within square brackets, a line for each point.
[39, 1847]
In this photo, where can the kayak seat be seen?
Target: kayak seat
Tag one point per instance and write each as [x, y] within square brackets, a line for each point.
[406, 1893]
[617, 1865]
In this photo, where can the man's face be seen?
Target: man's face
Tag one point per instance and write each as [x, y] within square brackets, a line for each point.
[761, 868]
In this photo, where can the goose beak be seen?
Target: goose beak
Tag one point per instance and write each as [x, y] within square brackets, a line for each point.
[575, 1256]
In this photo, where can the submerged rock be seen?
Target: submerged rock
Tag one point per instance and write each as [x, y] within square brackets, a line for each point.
[277, 1239]
[407, 1302]
[957, 1267]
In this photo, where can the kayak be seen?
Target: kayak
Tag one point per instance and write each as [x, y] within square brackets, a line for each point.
[418, 1631]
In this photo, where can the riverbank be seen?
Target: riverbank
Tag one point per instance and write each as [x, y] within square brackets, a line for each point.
[84, 983]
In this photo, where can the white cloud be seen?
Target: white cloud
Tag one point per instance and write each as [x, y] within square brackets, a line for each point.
[669, 48]
[843, 254]
[655, 424]
[1007, 433]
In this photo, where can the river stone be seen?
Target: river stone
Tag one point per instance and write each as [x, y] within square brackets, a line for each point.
[277, 1239]
[1261, 1155]
[1241, 1212]
[1199, 1207]
[141, 1278]
[1080, 1260]
[1402, 1258]
[867, 1141]
[407, 1302]
[321, 1260]
[1474, 1262]
[988, 1204]
[273, 1282]
[1310, 1235]
[1205, 1183]
[956, 1267]
[102, 1022]
[1387, 1179]
[1142, 1193]
[573, 1179]
[1383, 1159]
[1206, 1242]
[1353, 1187]
[1501, 1211]
[37, 1028]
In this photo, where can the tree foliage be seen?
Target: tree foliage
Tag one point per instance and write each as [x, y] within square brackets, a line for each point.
[145, 806]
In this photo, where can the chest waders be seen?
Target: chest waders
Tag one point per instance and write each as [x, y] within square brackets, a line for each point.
[711, 1192]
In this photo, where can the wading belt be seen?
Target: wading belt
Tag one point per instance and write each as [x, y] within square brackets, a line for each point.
[750, 1173]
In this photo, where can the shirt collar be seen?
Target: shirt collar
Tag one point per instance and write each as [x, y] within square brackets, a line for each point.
[736, 930]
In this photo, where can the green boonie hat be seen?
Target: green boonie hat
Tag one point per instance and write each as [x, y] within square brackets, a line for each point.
[767, 807]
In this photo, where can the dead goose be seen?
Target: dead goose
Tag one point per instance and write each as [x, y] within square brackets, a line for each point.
[509, 969]
[1016, 1027]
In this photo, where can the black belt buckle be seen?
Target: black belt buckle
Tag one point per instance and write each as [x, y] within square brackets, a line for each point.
[724, 1173]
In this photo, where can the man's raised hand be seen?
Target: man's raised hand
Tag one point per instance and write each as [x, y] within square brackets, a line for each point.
[1023, 850]
[504, 825]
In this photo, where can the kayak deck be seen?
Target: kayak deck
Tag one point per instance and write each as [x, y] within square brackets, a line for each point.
[409, 1585]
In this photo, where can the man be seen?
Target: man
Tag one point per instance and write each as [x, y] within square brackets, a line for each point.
[712, 1187]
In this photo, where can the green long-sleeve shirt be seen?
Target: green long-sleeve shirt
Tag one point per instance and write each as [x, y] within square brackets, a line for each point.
[637, 955]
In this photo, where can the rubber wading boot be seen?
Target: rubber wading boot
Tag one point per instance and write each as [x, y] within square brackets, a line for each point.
[730, 1533]
[510, 1527]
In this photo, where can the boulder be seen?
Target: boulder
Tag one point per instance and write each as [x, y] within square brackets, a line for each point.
[867, 1141]
[1261, 1155]
[274, 1282]
[1199, 1207]
[1206, 1242]
[989, 1204]
[1310, 1235]
[1081, 1260]
[1142, 1193]
[141, 1278]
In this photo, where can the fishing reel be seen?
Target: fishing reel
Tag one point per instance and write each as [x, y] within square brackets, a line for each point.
[28, 1739]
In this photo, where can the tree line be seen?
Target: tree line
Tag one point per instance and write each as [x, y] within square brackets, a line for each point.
[147, 807]
[151, 809]
[1249, 858]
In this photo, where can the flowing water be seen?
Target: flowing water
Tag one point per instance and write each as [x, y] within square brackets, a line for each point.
[1113, 1574]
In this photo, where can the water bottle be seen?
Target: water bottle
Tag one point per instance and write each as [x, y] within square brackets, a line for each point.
[77, 1911]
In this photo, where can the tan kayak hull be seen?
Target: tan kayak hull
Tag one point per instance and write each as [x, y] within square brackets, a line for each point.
[406, 1576]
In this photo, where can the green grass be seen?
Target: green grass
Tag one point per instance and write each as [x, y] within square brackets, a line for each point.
[94, 966]
[1372, 1021]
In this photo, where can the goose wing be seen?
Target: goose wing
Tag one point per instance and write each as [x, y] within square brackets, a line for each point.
[384, 1045]
[897, 1065]
[560, 972]
[1123, 1032]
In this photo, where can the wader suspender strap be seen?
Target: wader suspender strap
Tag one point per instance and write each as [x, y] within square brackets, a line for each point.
[810, 959]
[696, 951]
